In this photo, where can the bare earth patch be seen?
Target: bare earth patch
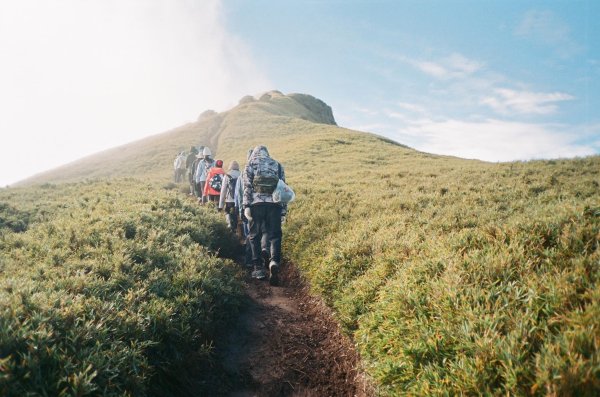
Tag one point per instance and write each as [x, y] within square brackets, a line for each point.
[287, 343]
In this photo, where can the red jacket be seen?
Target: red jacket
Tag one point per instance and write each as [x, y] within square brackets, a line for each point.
[211, 173]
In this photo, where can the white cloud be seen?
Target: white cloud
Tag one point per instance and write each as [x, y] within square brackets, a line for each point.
[395, 115]
[491, 139]
[367, 111]
[411, 107]
[549, 29]
[509, 101]
[80, 76]
[370, 127]
[432, 69]
[461, 64]
[450, 67]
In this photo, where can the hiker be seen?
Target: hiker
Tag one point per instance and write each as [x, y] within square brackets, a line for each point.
[203, 166]
[214, 182]
[227, 198]
[196, 192]
[264, 215]
[189, 165]
[245, 231]
[179, 165]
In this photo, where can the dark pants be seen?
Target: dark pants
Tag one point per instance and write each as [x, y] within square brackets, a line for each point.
[199, 191]
[231, 216]
[179, 175]
[248, 252]
[266, 218]
[192, 183]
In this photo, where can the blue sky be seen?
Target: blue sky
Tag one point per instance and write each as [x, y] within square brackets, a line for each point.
[493, 80]
[499, 81]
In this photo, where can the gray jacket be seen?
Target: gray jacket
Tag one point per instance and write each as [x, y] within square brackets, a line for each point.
[227, 194]
[202, 169]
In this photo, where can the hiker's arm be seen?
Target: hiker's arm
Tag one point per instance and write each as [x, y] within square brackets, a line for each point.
[248, 189]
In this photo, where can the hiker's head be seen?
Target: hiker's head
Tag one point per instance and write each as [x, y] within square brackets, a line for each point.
[260, 151]
[206, 152]
[234, 166]
[219, 163]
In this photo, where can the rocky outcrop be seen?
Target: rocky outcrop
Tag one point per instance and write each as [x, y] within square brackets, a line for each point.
[206, 114]
[267, 96]
[302, 106]
[247, 99]
[320, 111]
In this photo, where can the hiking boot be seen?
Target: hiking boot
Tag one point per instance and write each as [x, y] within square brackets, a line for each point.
[274, 273]
[259, 274]
[249, 266]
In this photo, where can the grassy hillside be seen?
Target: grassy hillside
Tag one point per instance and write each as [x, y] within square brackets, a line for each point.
[110, 288]
[453, 276]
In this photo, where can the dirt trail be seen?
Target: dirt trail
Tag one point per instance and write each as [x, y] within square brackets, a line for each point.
[286, 343]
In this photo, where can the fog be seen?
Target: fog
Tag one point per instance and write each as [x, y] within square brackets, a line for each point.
[78, 76]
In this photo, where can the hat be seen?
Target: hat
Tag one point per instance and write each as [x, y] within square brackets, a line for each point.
[234, 165]
[206, 151]
[219, 163]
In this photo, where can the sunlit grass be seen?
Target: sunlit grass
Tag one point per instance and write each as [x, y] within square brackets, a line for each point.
[112, 290]
[453, 276]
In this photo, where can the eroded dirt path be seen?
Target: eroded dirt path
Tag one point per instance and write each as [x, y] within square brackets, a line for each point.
[286, 343]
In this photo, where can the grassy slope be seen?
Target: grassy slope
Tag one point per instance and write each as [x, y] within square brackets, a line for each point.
[452, 275]
[110, 288]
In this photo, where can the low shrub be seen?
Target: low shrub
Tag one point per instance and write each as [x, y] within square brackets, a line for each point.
[116, 293]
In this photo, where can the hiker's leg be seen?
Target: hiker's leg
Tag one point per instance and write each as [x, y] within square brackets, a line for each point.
[264, 241]
[248, 252]
[200, 192]
[257, 225]
[273, 227]
[191, 182]
[231, 216]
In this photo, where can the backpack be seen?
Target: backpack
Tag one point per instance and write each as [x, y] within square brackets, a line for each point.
[179, 161]
[266, 176]
[231, 184]
[216, 181]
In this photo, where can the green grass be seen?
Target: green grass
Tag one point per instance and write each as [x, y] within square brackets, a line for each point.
[453, 276]
[114, 289]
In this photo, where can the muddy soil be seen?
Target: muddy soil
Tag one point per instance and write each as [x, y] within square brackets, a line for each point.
[286, 343]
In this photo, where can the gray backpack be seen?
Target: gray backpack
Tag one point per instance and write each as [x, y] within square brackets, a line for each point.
[266, 176]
